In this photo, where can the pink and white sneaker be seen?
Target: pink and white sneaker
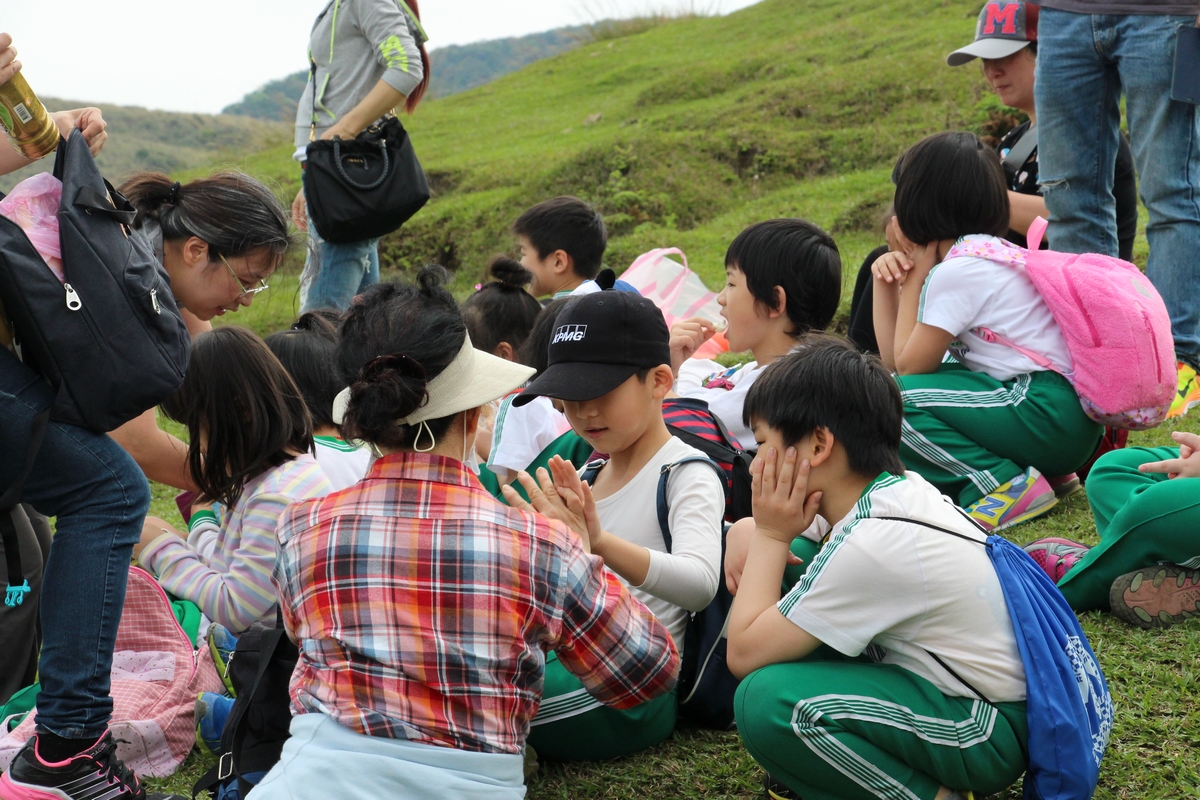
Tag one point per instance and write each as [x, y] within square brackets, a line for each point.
[94, 774]
[1056, 556]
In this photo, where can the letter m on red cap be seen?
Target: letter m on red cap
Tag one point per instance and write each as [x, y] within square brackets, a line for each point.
[1002, 14]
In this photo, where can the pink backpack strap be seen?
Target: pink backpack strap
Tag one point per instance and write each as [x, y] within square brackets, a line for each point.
[989, 335]
[1037, 229]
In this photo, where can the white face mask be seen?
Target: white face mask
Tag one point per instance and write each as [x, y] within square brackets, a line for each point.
[469, 457]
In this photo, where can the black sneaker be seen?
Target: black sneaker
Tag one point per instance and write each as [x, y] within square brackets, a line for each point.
[93, 774]
[776, 790]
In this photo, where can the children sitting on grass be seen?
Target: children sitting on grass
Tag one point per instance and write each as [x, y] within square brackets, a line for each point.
[989, 427]
[783, 280]
[609, 365]
[1146, 569]
[423, 607]
[250, 443]
[924, 607]
[306, 351]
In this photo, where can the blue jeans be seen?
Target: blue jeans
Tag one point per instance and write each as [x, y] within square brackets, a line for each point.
[335, 273]
[101, 498]
[1085, 62]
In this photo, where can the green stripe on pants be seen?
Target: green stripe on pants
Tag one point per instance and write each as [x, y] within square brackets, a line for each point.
[847, 730]
[571, 725]
[968, 433]
[1143, 519]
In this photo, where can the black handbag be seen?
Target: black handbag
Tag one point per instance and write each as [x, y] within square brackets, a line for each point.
[364, 187]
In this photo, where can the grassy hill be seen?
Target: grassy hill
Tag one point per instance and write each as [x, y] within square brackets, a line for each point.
[142, 139]
[685, 133]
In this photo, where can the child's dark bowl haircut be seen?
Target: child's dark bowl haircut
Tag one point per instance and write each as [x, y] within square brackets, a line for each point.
[798, 256]
[950, 185]
[536, 350]
[570, 225]
[826, 383]
[308, 351]
[501, 311]
[395, 339]
[249, 408]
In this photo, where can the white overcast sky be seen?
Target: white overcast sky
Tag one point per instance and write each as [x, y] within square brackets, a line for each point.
[201, 55]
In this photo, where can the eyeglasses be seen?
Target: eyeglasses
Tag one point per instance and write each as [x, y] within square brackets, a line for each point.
[251, 290]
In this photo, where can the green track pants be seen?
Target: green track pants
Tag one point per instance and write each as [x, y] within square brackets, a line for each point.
[571, 725]
[1142, 518]
[968, 433]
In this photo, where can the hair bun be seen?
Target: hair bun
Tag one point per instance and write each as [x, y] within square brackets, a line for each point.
[510, 273]
[387, 388]
[431, 277]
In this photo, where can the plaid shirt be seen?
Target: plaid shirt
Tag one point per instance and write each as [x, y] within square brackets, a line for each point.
[424, 608]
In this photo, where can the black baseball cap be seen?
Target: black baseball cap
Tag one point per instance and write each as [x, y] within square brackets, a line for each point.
[601, 340]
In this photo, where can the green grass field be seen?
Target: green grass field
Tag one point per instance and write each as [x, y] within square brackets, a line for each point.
[787, 108]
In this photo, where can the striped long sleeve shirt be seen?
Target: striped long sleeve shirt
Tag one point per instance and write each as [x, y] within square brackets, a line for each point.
[227, 573]
[423, 609]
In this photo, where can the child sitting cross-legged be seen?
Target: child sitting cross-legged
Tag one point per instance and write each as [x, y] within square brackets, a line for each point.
[992, 427]
[609, 365]
[422, 607]
[863, 680]
[1146, 569]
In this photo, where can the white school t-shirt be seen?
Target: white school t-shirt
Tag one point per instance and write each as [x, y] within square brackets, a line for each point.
[724, 389]
[684, 579]
[900, 591]
[965, 293]
[343, 463]
[521, 433]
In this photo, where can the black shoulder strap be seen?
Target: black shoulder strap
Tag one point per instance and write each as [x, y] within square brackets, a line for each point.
[18, 586]
[664, 475]
[591, 469]
[964, 537]
[1019, 153]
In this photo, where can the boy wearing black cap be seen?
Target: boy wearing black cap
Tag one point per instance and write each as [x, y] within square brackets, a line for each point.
[610, 366]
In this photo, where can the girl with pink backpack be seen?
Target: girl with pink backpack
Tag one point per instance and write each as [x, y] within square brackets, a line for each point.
[993, 424]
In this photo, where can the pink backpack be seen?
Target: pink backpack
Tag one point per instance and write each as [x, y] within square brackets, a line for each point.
[1116, 326]
[156, 676]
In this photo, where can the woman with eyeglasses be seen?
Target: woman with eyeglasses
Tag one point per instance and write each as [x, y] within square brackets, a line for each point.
[219, 238]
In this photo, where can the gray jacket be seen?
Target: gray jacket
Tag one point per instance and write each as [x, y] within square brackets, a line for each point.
[354, 44]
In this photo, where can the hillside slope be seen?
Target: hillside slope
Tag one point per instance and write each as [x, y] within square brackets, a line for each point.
[685, 133]
[142, 139]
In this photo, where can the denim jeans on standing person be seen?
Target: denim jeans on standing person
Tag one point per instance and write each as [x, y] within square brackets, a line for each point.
[335, 273]
[1085, 62]
[101, 498]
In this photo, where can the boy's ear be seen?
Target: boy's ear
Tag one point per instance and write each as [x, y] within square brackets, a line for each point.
[822, 446]
[563, 263]
[780, 303]
[505, 350]
[664, 380]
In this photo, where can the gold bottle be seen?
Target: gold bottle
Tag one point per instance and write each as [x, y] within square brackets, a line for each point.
[29, 127]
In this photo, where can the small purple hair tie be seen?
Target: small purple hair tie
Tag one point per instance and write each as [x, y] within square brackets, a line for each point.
[478, 286]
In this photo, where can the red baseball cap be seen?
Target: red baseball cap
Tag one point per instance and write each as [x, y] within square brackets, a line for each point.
[1004, 27]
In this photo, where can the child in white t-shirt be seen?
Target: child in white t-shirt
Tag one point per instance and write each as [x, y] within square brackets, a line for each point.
[868, 677]
[783, 280]
[608, 365]
[992, 426]
[307, 352]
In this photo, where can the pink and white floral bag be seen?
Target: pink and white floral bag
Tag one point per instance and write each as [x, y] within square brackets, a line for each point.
[1115, 323]
[156, 676]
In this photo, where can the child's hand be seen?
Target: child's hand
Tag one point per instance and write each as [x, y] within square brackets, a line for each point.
[687, 336]
[579, 500]
[737, 547]
[891, 267]
[783, 509]
[1188, 463]
[564, 504]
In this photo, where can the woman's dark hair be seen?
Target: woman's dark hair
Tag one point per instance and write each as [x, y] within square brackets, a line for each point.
[251, 414]
[568, 224]
[308, 351]
[414, 97]
[536, 350]
[827, 383]
[501, 311]
[949, 185]
[235, 214]
[395, 339]
[798, 256]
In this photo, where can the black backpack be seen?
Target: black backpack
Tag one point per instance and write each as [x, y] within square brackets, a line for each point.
[110, 339]
[257, 727]
[706, 686]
